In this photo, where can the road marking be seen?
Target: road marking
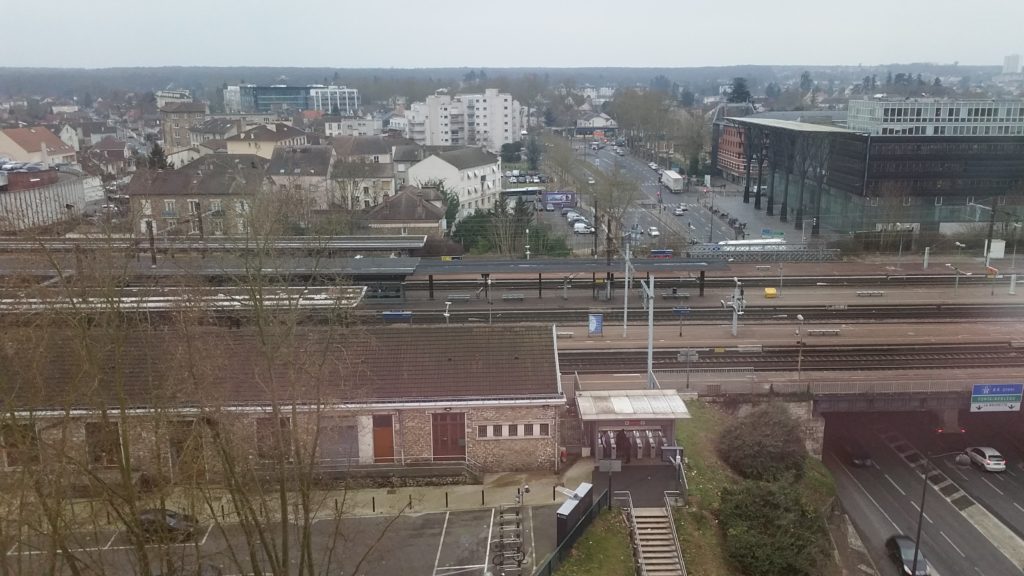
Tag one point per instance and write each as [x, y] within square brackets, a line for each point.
[862, 489]
[1018, 507]
[985, 480]
[441, 542]
[951, 544]
[111, 540]
[207, 535]
[490, 529]
[449, 571]
[16, 544]
[962, 475]
[893, 482]
[914, 504]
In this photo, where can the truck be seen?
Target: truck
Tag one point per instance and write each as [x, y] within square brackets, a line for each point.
[673, 181]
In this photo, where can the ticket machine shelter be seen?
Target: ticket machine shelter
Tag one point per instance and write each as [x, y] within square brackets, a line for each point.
[634, 426]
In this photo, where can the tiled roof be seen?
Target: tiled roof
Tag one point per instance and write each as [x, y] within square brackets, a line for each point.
[468, 158]
[109, 143]
[217, 145]
[356, 170]
[185, 107]
[214, 174]
[32, 140]
[90, 128]
[223, 367]
[300, 161]
[360, 145]
[408, 205]
[213, 126]
[261, 133]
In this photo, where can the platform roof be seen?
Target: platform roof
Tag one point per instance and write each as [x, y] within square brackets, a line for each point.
[563, 266]
[628, 404]
[793, 126]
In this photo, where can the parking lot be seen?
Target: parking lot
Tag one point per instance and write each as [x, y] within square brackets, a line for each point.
[429, 544]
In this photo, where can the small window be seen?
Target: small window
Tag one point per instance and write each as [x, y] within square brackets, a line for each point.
[513, 429]
[527, 429]
[496, 430]
[544, 430]
[272, 433]
[20, 445]
[103, 443]
[481, 431]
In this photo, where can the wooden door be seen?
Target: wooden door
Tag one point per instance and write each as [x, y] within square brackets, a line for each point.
[449, 432]
[383, 439]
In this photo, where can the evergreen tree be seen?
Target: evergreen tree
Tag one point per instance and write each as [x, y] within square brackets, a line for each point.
[157, 158]
[739, 92]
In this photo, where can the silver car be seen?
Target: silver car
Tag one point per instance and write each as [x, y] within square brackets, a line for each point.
[987, 458]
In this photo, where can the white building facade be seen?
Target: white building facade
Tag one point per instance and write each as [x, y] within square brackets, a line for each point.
[936, 117]
[353, 126]
[474, 176]
[487, 120]
[334, 100]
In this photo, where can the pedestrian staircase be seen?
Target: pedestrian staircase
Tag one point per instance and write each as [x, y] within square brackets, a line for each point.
[656, 539]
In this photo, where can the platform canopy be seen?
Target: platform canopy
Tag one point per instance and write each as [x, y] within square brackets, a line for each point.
[630, 404]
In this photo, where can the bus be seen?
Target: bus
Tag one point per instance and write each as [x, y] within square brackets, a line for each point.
[560, 199]
[528, 192]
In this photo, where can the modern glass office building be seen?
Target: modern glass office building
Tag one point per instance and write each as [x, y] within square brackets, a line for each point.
[936, 117]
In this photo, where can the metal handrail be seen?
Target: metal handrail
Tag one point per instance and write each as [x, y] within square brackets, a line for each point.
[672, 523]
[634, 532]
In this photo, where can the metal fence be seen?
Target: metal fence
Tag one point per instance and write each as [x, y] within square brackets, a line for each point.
[812, 387]
[552, 563]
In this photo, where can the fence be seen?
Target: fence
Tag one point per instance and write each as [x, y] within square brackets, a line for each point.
[754, 385]
[552, 563]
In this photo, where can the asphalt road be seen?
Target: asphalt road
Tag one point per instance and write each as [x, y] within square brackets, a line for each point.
[883, 500]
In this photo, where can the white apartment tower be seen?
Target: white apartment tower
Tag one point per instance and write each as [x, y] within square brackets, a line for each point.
[334, 100]
[488, 120]
[1011, 64]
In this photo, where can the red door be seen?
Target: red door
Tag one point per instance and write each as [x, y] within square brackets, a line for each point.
[449, 436]
[383, 439]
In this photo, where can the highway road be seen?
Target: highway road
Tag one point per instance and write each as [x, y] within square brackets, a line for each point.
[883, 500]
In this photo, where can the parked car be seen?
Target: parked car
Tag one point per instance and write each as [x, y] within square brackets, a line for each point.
[550, 207]
[653, 165]
[566, 210]
[161, 524]
[654, 232]
[989, 459]
[591, 181]
[508, 174]
[901, 550]
[582, 228]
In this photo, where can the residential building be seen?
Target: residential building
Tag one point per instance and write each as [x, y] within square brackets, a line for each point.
[35, 144]
[728, 157]
[247, 121]
[366, 402]
[472, 174]
[591, 122]
[210, 196]
[1011, 64]
[261, 140]
[487, 120]
[91, 132]
[111, 157]
[306, 172]
[936, 117]
[177, 118]
[398, 124]
[165, 97]
[412, 210]
[67, 135]
[376, 149]
[250, 98]
[352, 126]
[213, 129]
[34, 200]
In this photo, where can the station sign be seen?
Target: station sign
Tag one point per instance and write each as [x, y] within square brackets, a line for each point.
[996, 397]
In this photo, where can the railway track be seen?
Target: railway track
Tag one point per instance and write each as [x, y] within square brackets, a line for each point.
[786, 358]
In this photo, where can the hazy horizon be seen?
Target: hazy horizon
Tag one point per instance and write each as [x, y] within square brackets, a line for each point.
[102, 34]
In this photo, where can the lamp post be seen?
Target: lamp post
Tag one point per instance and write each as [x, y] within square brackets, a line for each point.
[959, 248]
[899, 257]
[447, 314]
[737, 305]
[956, 283]
[527, 244]
[1013, 260]
[800, 346]
[780, 280]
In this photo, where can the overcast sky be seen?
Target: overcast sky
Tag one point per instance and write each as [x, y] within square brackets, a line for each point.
[493, 33]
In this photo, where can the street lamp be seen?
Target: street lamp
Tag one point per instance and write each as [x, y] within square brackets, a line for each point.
[447, 314]
[959, 247]
[527, 243]
[800, 344]
[899, 257]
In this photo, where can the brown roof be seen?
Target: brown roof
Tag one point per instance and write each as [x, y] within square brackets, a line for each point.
[262, 133]
[408, 205]
[109, 143]
[301, 161]
[218, 367]
[347, 146]
[31, 140]
[186, 107]
[213, 174]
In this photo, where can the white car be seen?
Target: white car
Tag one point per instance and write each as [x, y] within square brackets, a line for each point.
[987, 458]
[653, 231]
[680, 210]
[652, 165]
[590, 181]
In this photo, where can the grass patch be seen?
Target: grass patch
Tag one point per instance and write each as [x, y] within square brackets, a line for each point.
[702, 541]
[603, 550]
